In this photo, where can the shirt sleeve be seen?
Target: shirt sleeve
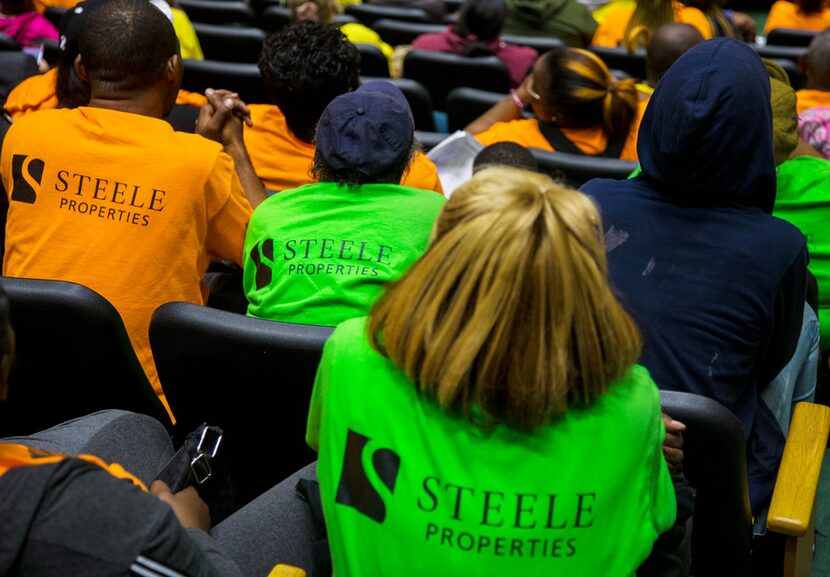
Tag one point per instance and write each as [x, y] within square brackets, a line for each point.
[318, 395]
[228, 222]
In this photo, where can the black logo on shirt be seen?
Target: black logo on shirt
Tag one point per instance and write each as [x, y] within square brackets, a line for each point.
[355, 489]
[26, 176]
[263, 271]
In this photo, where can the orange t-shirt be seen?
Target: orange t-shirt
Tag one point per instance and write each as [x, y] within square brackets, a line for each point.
[785, 14]
[282, 161]
[809, 98]
[13, 456]
[35, 93]
[42, 5]
[122, 204]
[591, 141]
[611, 31]
[191, 98]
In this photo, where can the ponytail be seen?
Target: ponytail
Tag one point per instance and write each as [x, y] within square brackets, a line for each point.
[619, 106]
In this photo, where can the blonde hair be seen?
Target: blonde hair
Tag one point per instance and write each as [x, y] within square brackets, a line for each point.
[509, 311]
[650, 14]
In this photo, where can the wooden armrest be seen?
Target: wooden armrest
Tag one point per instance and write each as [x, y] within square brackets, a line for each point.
[795, 488]
[286, 571]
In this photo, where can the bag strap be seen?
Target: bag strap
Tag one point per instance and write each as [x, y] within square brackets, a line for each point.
[560, 143]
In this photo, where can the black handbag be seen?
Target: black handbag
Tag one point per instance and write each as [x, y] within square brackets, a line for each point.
[200, 463]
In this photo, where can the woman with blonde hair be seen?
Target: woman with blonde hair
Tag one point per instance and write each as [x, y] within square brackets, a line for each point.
[488, 416]
[623, 24]
[579, 108]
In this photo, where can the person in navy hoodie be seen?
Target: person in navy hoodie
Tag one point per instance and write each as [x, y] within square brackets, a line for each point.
[716, 284]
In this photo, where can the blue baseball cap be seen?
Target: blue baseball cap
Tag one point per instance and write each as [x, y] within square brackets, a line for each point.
[370, 130]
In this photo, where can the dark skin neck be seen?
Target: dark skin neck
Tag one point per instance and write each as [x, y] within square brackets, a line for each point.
[147, 102]
[814, 83]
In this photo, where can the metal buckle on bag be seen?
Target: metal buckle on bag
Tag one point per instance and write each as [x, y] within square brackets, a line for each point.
[200, 465]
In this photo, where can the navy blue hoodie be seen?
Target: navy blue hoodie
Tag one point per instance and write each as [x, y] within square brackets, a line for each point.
[716, 284]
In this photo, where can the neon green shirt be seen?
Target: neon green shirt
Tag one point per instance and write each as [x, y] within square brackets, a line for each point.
[803, 199]
[320, 254]
[411, 489]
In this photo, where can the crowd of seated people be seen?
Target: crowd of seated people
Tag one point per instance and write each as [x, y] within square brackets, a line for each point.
[488, 402]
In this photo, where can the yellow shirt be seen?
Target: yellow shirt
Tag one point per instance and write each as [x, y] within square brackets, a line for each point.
[282, 161]
[122, 204]
[592, 140]
[188, 41]
[785, 14]
[42, 5]
[35, 93]
[808, 98]
[611, 31]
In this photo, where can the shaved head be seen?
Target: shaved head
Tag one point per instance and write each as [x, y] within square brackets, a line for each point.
[668, 44]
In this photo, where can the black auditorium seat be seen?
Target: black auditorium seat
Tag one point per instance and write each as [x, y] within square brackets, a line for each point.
[222, 12]
[576, 170]
[399, 32]
[251, 377]
[230, 43]
[73, 357]
[372, 61]
[199, 75]
[440, 73]
[466, 104]
[368, 13]
[633, 64]
[790, 37]
[715, 465]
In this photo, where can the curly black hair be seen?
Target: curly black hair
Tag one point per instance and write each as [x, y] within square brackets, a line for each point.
[304, 67]
[351, 178]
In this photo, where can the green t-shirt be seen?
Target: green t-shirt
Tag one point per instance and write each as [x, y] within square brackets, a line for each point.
[320, 254]
[803, 199]
[411, 489]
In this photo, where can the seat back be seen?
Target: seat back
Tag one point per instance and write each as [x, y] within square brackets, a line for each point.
[790, 37]
[251, 377]
[275, 18]
[779, 52]
[440, 73]
[230, 43]
[15, 67]
[372, 61]
[216, 12]
[399, 32]
[576, 170]
[368, 13]
[539, 43]
[466, 104]
[715, 465]
[199, 75]
[418, 98]
[620, 59]
[73, 357]
[794, 74]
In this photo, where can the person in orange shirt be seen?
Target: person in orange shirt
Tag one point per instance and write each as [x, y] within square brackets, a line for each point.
[109, 196]
[579, 108]
[815, 64]
[801, 15]
[616, 27]
[60, 86]
[305, 66]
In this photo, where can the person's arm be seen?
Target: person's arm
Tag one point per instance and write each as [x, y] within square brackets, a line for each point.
[504, 110]
[221, 120]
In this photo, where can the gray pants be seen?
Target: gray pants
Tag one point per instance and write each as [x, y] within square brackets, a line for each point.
[274, 528]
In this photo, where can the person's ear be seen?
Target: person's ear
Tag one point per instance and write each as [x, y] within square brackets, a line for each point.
[174, 70]
[80, 69]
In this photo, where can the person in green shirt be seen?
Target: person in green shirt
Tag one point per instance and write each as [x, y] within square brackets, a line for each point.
[488, 417]
[321, 253]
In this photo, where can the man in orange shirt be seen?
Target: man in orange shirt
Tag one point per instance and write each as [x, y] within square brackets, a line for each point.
[815, 64]
[306, 66]
[109, 196]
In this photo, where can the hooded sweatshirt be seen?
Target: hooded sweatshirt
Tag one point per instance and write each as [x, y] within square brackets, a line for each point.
[716, 284]
[567, 20]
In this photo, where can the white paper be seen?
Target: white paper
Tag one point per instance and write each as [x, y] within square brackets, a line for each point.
[454, 159]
